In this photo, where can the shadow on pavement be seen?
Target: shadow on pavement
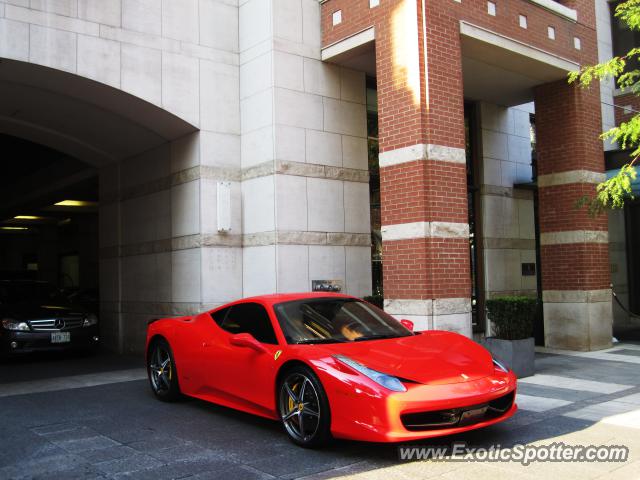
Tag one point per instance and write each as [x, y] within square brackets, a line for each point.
[45, 365]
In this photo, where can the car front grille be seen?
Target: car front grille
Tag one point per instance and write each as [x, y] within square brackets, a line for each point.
[458, 417]
[56, 324]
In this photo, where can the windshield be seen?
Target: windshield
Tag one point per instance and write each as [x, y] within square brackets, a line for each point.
[333, 320]
[31, 292]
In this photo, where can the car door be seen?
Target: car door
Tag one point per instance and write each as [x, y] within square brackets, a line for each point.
[243, 373]
[191, 342]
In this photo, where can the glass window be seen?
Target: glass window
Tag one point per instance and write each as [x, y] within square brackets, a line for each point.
[250, 318]
[477, 320]
[219, 316]
[334, 320]
[374, 187]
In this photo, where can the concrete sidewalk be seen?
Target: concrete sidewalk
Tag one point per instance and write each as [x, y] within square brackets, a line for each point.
[116, 429]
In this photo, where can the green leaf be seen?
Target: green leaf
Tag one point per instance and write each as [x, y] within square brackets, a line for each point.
[629, 13]
[614, 192]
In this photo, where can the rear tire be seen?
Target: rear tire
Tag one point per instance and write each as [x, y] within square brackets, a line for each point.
[303, 407]
[162, 372]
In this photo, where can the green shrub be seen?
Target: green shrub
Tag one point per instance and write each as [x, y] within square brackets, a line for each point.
[512, 317]
[377, 300]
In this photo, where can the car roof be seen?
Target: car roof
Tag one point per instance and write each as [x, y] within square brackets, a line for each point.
[287, 297]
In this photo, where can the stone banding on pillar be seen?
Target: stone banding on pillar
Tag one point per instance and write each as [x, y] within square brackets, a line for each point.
[335, 239]
[435, 314]
[585, 315]
[571, 176]
[574, 236]
[573, 296]
[422, 152]
[406, 231]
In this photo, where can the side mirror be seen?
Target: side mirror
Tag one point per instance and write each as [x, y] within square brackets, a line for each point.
[247, 340]
[408, 324]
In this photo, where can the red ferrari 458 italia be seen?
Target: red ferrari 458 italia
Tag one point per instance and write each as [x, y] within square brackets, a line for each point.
[329, 365]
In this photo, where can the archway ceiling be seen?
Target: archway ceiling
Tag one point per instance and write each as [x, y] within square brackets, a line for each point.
[87, 120]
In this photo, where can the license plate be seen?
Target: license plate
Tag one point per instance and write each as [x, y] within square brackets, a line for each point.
[60, 337]
[472, 416]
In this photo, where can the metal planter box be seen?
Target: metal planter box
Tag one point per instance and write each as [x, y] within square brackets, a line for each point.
[518, 355]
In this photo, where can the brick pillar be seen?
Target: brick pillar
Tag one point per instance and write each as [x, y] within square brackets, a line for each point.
[574, 246]
[425, 227]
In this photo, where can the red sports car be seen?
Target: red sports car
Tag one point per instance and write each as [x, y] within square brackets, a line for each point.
[329, 365]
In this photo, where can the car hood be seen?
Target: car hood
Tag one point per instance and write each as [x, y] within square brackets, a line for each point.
[23, 311]
[433, 357]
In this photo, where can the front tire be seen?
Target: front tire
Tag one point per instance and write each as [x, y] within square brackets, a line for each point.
[161, 369]
[304, 408]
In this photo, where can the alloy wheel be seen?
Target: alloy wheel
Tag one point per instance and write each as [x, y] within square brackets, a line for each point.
[300, 407]
[161, 370]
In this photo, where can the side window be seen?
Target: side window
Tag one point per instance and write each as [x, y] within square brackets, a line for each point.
[250, 318]
[220, 315]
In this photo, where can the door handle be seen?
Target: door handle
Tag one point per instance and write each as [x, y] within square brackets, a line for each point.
[206, 344]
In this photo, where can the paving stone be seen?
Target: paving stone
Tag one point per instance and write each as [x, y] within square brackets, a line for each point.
[55, 428]
[573, 383]
[24, 446]
[84, 444]
[293, 464]
[80, 472]
[128, 464]
[157, 442]
[540, 404]
[181, 469]
[558, 393]
[364, 466]
[71, 434]
[42, 466]
[184, 452]
[105, 454]
[625, 351]
[131, 435]
[241, 472]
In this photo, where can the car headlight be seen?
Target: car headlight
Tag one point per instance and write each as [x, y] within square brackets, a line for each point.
[387, 381]
[90, 320]
[9, 324]
[500, 366]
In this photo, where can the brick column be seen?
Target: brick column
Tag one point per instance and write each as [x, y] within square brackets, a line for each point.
[574, 245]
[425, 228]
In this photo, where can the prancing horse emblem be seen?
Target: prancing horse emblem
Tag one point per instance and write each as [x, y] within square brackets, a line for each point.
[59, 323]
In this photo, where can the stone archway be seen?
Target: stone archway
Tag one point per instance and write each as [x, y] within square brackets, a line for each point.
[126, 145]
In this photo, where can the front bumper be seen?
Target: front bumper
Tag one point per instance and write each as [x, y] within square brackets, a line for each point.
[83, 338]
[375, 415]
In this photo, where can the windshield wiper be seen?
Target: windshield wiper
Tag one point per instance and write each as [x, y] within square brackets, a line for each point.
[375, 337]
[310, 341]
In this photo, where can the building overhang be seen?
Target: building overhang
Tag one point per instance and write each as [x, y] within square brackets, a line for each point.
[356, 52]
[504, 71]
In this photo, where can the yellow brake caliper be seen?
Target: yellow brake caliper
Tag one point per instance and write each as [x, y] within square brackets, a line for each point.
[291, 404]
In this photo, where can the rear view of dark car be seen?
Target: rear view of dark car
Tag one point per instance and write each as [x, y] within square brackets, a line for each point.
[35, 316]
